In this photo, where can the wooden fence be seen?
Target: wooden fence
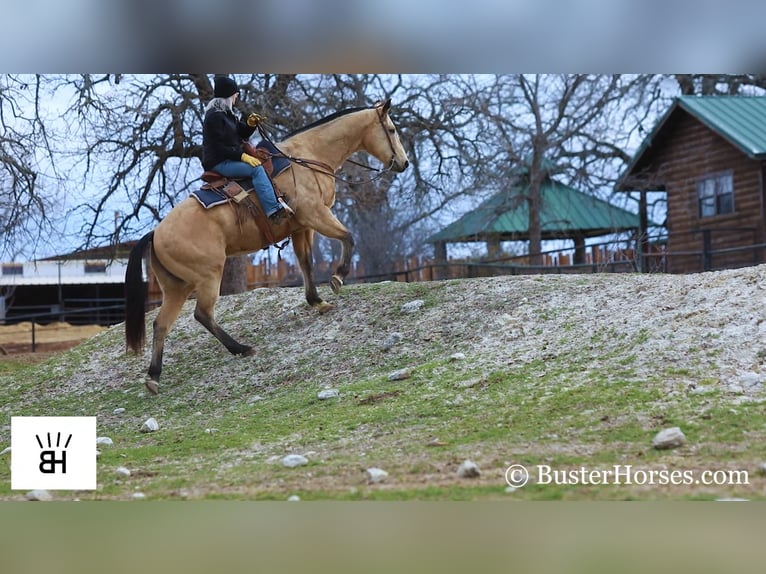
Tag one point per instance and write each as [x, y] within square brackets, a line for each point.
[597, 259]
[605, 257]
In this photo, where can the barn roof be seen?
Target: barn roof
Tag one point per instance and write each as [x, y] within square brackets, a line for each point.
[566, 212]
[741, 120]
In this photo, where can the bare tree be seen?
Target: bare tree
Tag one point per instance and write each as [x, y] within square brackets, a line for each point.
[26, 197]
[720, 84]
[579, 128]
[392, 216]
[141, 146]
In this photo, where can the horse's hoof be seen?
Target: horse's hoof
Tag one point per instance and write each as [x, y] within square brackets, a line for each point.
[335, 284]
[324, 307]
[248, 352]
[151, 386]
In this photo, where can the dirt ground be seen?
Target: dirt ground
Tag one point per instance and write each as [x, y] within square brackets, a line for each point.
[52, 337]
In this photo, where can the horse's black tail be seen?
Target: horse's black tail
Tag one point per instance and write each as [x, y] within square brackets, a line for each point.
[135, 296]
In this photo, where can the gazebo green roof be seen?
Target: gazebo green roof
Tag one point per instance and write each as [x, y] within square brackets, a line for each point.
[566, 213]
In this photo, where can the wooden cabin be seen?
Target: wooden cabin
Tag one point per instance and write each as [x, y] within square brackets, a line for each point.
[708, 154]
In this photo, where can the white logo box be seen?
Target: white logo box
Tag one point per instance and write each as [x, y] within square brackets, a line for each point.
[53, 453]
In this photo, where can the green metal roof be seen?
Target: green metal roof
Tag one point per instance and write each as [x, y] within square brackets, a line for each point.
[565, 212]
[739, 119]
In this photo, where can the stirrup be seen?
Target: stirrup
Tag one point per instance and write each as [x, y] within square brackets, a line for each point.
[286, 207]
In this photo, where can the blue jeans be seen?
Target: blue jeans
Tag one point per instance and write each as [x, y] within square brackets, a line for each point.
[261, 182]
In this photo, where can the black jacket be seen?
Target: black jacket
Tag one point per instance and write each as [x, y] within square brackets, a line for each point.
[222, 136]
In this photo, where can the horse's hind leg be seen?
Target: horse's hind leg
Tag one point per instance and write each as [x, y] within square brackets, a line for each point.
[302, 241]
[204, 312]
[174, 295]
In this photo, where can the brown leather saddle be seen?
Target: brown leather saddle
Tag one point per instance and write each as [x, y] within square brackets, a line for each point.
[239, 190]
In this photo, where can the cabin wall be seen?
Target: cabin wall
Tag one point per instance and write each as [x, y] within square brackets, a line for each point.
[690, 151]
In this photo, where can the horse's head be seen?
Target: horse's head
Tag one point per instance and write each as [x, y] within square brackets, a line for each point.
[384, 142]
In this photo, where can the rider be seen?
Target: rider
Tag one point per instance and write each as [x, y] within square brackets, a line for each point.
[222, 135]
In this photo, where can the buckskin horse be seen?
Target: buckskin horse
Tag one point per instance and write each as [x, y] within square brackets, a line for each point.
[188, 248]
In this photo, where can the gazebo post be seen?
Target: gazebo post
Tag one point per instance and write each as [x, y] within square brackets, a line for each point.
[493, 247]
[440, 259]
[643, 231]
[579, 249]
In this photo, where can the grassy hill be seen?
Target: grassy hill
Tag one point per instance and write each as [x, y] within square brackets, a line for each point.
[563, 372]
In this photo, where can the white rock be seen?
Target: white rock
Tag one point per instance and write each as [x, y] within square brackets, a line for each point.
[293, 460]
[294, 498]
[150, 425]
[211, 431]
[391, 340]
[669, 438]
[5, 451]
[255, 399]
[468, 469]
[39, 494]
[457, 357]
[118, 411]
[104, 440]
[472, 382]
[413, 306]
[138, 496]
[400, 375]
[122, 471]
[327, 394]
[376, 475]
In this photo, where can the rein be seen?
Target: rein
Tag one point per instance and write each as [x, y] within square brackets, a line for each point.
[321, 167]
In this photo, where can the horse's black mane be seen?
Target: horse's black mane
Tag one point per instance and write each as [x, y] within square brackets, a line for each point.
[325, 120]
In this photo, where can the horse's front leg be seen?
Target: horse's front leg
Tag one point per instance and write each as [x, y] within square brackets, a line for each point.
[324, 222]
[344, 267]
[302, 242]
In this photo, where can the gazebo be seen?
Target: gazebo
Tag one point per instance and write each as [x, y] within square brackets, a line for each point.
[566, 213]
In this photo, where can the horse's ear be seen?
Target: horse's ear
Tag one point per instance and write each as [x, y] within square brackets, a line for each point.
[384, 105]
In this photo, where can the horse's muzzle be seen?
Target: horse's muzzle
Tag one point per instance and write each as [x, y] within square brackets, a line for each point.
[399, 166]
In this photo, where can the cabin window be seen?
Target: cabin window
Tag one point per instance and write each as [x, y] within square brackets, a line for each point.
[716, 194]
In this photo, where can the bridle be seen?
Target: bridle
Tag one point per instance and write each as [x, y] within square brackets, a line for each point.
[321, 167]
[390, 165]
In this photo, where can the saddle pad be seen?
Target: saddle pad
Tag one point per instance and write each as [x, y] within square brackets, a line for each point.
[209, 197]
[278, 162]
